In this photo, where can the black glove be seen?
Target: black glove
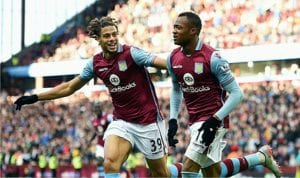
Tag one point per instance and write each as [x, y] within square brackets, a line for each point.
[25, 100]
[172, 132]
[209, 129]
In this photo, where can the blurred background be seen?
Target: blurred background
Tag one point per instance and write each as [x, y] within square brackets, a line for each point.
[44, 43]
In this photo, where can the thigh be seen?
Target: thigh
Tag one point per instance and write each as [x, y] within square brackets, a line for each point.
[118, 143]
[189, 165]
[116, 149]
[158, 167]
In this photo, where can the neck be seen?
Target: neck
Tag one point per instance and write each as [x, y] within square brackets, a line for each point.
[108, 55]
[190, 47]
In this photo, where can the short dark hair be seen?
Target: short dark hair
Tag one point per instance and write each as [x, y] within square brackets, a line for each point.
[193, 18]
[95, 26]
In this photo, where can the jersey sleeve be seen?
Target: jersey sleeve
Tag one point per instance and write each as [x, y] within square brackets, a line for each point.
[176, 93]
[141, 57]
[87, 72]
[220, 68]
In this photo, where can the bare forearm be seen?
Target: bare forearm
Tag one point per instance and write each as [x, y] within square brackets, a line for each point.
[159, 63]
[62, 90]
[56, 92]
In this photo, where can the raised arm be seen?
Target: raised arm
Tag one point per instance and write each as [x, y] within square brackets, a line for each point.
[62, 90]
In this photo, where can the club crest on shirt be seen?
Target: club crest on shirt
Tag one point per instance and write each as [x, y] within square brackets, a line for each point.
[198, 67]
[122, 65]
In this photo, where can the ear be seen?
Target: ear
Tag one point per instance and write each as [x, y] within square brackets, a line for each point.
[193, 31]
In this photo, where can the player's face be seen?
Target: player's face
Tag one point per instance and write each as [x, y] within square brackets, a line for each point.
[108, 39]
[182, 31]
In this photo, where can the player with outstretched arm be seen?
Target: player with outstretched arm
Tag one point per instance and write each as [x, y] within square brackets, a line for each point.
[137, 118]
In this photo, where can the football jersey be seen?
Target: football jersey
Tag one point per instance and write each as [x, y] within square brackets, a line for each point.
[128, 82]
[202, 91]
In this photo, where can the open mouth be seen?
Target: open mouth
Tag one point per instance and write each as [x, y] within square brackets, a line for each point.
[112, 46]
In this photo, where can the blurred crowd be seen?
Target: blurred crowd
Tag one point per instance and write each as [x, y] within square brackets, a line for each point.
[269, 114]
[148, 24]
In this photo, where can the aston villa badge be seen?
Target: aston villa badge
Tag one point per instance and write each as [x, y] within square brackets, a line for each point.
[122, 65]
[198, 67]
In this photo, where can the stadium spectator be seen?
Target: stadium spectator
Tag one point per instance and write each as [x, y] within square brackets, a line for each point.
[138, 119]
[201, 75]
[227, 24]
[77, 162]
[100, 123]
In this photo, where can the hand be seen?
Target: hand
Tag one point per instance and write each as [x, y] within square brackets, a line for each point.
[209, 129]
[172, 132]
[25, 100]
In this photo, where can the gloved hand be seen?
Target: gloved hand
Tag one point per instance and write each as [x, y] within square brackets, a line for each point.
[172, 132]
[25, 100]
[209, 129]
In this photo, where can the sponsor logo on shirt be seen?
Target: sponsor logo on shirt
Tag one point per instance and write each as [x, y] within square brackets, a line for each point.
[114, 79]
[123, 88]
[190, 89]
[198, 67]
[122, 65]
[188, 79]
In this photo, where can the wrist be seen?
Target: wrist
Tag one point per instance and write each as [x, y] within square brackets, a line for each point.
[172, 120]
[35, 97]
[217, 118]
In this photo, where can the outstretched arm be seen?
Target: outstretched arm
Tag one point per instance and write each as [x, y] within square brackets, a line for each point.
[62, 90]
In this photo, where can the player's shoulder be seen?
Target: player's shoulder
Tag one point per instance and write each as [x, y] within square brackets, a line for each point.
[216, 54]
[176, 50]
[98, 56]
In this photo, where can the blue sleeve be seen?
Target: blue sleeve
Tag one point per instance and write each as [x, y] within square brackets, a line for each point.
[141, 57]
[87, 72]
[176, 93]
[220, 68]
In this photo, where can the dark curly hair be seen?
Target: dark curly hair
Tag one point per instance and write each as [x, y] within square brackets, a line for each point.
[194, 20]
[95, 26]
